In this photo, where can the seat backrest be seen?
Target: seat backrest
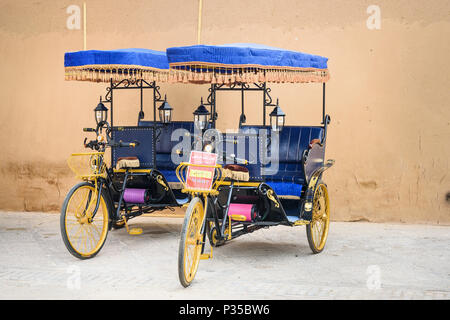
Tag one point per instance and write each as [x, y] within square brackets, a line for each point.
[293, 141]
[256, 150]
[164, 144]
[144, 151]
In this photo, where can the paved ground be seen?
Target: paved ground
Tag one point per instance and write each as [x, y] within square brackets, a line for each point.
[361, 261]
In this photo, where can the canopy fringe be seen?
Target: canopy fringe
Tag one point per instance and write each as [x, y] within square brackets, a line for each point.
[197, 74]
[116, 73]
[222, 75]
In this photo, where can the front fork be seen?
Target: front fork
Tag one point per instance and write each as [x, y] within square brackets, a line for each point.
[98, 187]
[203, 229]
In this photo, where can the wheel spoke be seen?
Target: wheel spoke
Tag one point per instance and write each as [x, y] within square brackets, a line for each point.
[192, 243]
[81, 203]
[87, 238]
[318, 229]
[96, 229]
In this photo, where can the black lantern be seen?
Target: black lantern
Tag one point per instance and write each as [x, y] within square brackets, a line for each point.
[277, 117]
[201, 116]
[165, 112]
[101, 112]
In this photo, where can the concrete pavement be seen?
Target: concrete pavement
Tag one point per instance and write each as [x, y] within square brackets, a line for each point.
[361, 261]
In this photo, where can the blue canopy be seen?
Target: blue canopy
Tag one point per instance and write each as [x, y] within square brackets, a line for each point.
[103, 65]
[246, 63]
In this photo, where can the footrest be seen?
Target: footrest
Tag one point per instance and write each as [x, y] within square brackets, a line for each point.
[135, 231]
[132, 231]
[296, 221]
[206, 256]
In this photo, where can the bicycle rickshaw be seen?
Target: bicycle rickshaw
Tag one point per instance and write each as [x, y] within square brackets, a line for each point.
[141, 178]
[275, 173]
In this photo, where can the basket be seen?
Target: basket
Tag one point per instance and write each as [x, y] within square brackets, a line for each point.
[181, 173]
[87, 165]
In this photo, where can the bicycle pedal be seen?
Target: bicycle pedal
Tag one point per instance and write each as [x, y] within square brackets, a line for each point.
[135, 231]
[206, 256]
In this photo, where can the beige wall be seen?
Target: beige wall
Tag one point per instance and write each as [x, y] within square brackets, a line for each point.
[388, 96]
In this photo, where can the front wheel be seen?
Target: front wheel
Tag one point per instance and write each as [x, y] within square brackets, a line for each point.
[317, 230]
[190, 246]
[83, 234]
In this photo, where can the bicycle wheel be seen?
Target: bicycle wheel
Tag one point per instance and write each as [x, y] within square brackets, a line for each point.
[317, 230]
[190, 246]
[83, 235]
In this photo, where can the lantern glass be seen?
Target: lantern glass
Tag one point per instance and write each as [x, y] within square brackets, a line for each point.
[165, 116]
[277, 119]
[101, 112]
[277, 123]
[101, 115]
[201, 116]
[200, 121]
[165, 112]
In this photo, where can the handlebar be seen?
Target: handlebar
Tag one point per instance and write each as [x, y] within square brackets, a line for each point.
[94, 144]
[122, 144]
[100, 144]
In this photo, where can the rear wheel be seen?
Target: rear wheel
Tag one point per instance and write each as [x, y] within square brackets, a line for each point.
[83, 234]
[317, 230]
[190, 246]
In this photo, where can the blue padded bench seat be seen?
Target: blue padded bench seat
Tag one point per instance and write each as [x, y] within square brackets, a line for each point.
[286, 188]
[293, 141]
[170, 175]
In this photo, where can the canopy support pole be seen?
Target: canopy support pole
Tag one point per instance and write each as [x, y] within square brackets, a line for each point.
[111, 101]
[141, 114]
[323, 103]
[84, 26]
[264, 103]
[111, 109]
[199, 26]
[211, 102]
[154, 124]
[242, 118]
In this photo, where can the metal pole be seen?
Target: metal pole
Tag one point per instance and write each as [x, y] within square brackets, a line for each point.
[154, 125]
[199, 26]
[112, 114]
[213, 86]
[242, 117]
[84, 26]
[264, 104]
[323, 103]
[141, 111]
[142, 95]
